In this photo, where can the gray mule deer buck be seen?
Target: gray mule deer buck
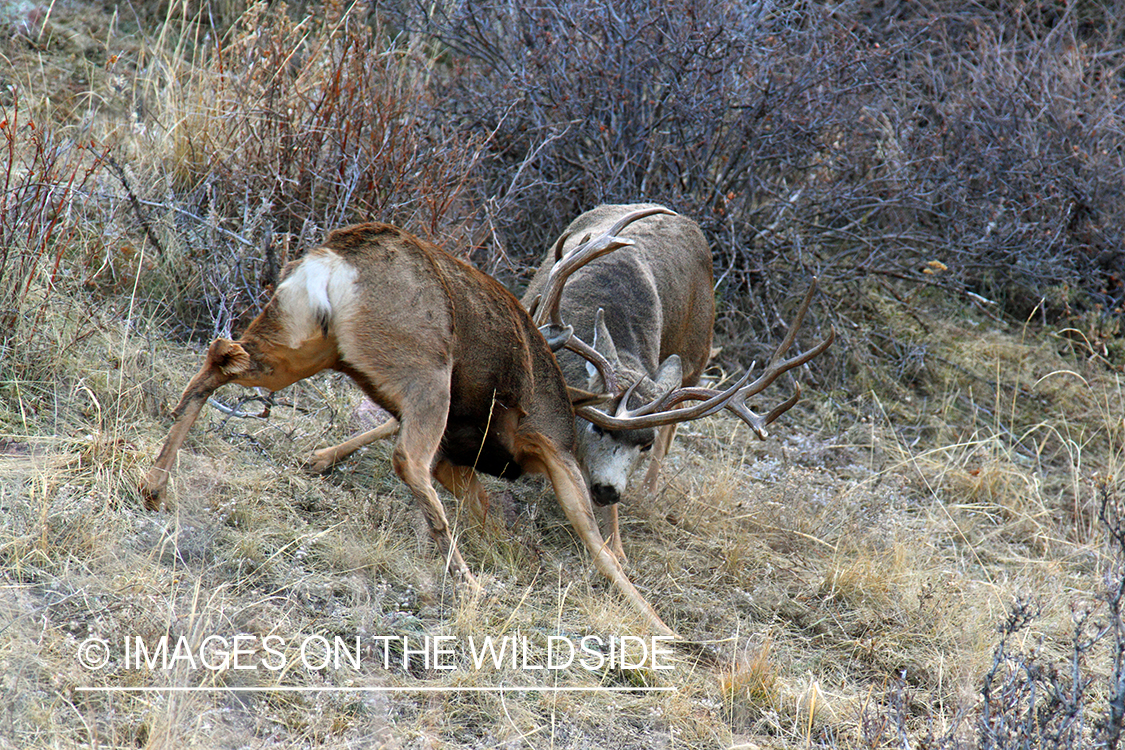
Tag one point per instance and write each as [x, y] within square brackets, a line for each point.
[649, 308]
[444, 348]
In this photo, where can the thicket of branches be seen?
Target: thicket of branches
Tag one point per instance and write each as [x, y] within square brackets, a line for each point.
[287, 129]
[1028, 700]
[40, 175]
[977, 150]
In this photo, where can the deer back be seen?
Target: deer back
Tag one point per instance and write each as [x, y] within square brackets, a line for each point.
[421, 307]
[657, 294]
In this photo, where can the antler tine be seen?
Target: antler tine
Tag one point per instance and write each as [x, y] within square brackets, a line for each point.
[532, 310]
[661, 410]
[548, 306]
[547, 309]
[757, 422]
[788, 404]
[580, 347]
[777, 369]
[798, 319]
[556, 250]
[555, 336]
[711, 400]
[562, 337]
[649, 415]
[629, 218]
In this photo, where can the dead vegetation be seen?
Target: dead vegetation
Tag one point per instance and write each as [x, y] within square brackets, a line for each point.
[927, 553]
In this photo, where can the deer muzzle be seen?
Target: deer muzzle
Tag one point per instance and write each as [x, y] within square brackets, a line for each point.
[604, 494]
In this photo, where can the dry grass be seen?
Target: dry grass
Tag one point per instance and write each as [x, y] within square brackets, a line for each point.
[823, 566]
[849, 574]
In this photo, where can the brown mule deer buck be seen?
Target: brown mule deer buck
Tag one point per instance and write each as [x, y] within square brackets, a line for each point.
[441, 346]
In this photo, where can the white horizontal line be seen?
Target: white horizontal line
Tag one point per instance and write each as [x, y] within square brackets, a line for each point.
[386, 689]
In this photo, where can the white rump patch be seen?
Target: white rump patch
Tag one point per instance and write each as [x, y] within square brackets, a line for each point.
[318, 292]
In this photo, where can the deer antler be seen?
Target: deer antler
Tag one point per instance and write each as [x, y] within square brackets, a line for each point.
[562, 337]
[662, 411]
[544, 308]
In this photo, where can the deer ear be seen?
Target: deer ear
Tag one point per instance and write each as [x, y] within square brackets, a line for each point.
[579, 397]
[228, 357]
[603, 345]
[669, 375]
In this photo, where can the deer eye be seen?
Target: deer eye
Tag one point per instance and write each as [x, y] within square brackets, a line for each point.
[596, 430]
[646, 447]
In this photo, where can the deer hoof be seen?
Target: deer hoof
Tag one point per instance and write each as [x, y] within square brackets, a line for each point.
[153, 497]
[614, 543]
[469, 582]
[152, 488]
[320, 462]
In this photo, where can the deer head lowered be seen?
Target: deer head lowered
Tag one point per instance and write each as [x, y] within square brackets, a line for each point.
[441, 346]
[649, 309]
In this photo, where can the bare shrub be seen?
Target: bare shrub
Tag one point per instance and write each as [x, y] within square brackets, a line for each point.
[285, 129]
[720, 110]
[1029, 700]
[40, 175]
[1031, 697]
[915, 145]
[1011, 135]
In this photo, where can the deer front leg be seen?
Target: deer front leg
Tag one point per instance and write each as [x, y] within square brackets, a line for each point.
[251, 361]
[325, 458]
[571, 492]
[607, 520]
[226, 360]
[664, 437]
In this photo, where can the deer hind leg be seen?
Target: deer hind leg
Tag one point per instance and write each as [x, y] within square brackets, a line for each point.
[462, 483]
[660, 448]
[571, 492]
[325, 458]
[419, 437]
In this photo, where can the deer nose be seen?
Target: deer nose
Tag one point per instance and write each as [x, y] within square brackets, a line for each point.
[605, 494]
